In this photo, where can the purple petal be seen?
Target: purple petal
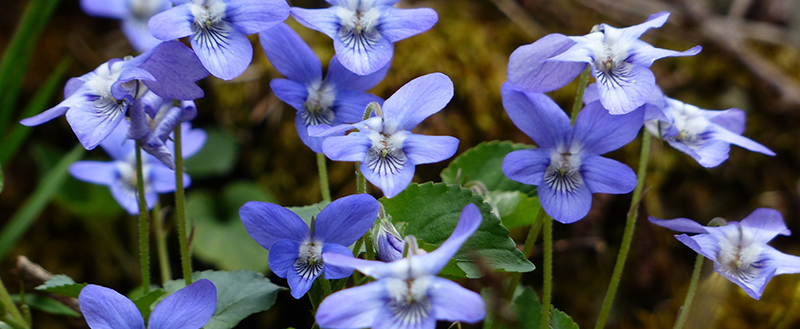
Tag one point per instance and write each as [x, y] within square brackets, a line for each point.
[600, 132]
[299, 284]
[527, 166]
[417, 100]
[752, 286]
[679, 225]
[253, 16]
[49, 114]
[434, 261]
[355, 307]
[290, 55]
[364, 60]
[117, 144]
[345, 220]
[138, 34]
[528, 69]
[397, 24]
[352, 147]
[604, 175]
[704, 244]
[106, 8]
[93, 121]
[625, 88]
[373, 268]
[580, 50]
[392, 183]
[225, 57]
[340, 77]
[267, 223]
[590, 94]
[642, 53]
[129, 73]
[350, 105]
[451, 302]
[783, 263]
[174, 23]
[709, 155]
[193, 139]
[314, 143]
[422, 149]
[654, 21]
[736, 139]
[537, 116]
[765, 224]
[96, 172]
[566, 206]
[125, 195]
[336, 272]
[325, 20]
[188, 308]
[291, 92]
[176, 69]
[282, 256]
[731, 119]
[162, 179]
[104, 308]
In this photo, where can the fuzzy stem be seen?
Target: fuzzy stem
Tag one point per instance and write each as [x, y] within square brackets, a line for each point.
[144, 222]
[687, 304]
[627, 236]
[547, 290]
[324, 187]
[180, 209]
[161, 244]
[576, 107]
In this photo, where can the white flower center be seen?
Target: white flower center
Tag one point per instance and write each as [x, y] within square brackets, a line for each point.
[359, 25]
[207, 12]
[610, 53]
[144, 9]
[386, 155]
[692, 126]
[563, 174]
[409, 301]
[739, 255]
[128, 179]
[309, 259]
[318, 107]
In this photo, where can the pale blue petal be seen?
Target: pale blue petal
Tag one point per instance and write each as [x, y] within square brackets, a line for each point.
[267, 223]
[397, 24]
[125, 195]
[176, 68]
[364, 57]
[106, 8]
[350, 105]
[624, 88]
[352, 147]
[253, 16]
[290, 55]
[537, 116]
[49, 114]
[527, 166]
[422, 149]
[417, 100]
[654, 21]
[783, 263]
[291, 92]
[314, 143]
[340, 77]
[104, 308]
[93, 121]
[333, 271]
[355, 307]
[346, 219]
[604, 175]
[174, 23]
[324, 20]
[95, 172]
[755, 286]
[578, 52]
[709, 155]
[566, 207]
[679, 225]
[162, 179]
[599, 132]
[704, 244]
[224, 51]
[731, 119]
[138, 34]
[642, 53]
[452, 302]
[282, 256]
[298, 284]
[193, 140]
[764, 224]
[433, 262]
[736, 139]
[188, 308]
[528, 69]
[117, 144]
[391, 184]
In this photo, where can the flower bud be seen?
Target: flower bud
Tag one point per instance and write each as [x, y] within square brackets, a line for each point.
[388, 242]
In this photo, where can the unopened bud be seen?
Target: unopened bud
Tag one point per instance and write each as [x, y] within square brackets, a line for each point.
[388, 242]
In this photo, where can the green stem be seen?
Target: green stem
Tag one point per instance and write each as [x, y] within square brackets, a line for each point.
[144, 222]
[9, 306]
[180, 210]
[576, 107]
[324, 187]
[791, 313]
[530, 241]
[369, 246]
[547, 290]
[687, 304]
[627, 236]
[161, 244]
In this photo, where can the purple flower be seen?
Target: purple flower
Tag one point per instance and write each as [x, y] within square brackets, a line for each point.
[295, 252]
[152, 121]
[96, 102]
[120, 174]
[385, 145]
[364, 31]
[567, 166]
[134, 15]
[620, 62]
[188, 308]
[704, 135]
[407, 294]
[337, 99]
[388, 242]
[217, 29]
[739, 250]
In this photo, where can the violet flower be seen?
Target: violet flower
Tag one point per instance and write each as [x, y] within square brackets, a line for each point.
[739, 250]
[96, 102]
[567, 166]
[153, 119]
[188, 308]
[295, 251]
[339, 98]
[134, 15]
[120, 174]
[619, 60]
[364, 31]
[217, 29]
[407, 293]
[704, 135]
[385, 145]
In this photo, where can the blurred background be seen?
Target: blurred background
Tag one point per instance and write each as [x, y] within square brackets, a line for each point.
[750, 60]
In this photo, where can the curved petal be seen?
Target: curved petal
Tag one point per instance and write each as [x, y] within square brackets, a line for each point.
[324, 20]
[176, 68]
[289, 54]
[566, 207]
[291, 92]
[654, 21]
[96, 172]
[193, 139]
[173, 23]
[253, 16]
[355, 307]
[373, 268]
[783, 263]
[299, 284]
[753, 286]
[117, 144]
[224, 52]
[732, 119]
[104, 308]
[527, 166]
[106, 8]
[364, 57]
[710, 154]
[341, 77]
[765, 224]
[604, 175]
[282, 256]
[704, 244]
[727, 136]
[138, 34]
[188, 308]
[599, 132]
[397, 24]
[451, 302]
[93, 121]
[333, 271]
[679, 225]
[345, 220]
[642, 53]
[350, 105]
[314, 143]
[162, 179]
[624, 88]
[417, 100]
[433, 262]
[537, 116]
[267, 223]
[422, 149]
[391, 184]
[352, 147]
[528, 69]
[125, 197]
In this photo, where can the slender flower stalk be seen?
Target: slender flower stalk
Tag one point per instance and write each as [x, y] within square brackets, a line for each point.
[161, 244]
[180, 210]
[324, 187]
[687, 304]
[144, 224]
[627, 236]
[576, 107]
[547, 289]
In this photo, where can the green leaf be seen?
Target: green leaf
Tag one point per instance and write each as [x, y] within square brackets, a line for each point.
[529, 310]
[145, 303]
[483, 163]
[217, 157]
[239, 294]
[432, 212]
[306, 212]
[515, 209]
[220, 238]
[62, 284]
[45, 304]
[560, 320]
